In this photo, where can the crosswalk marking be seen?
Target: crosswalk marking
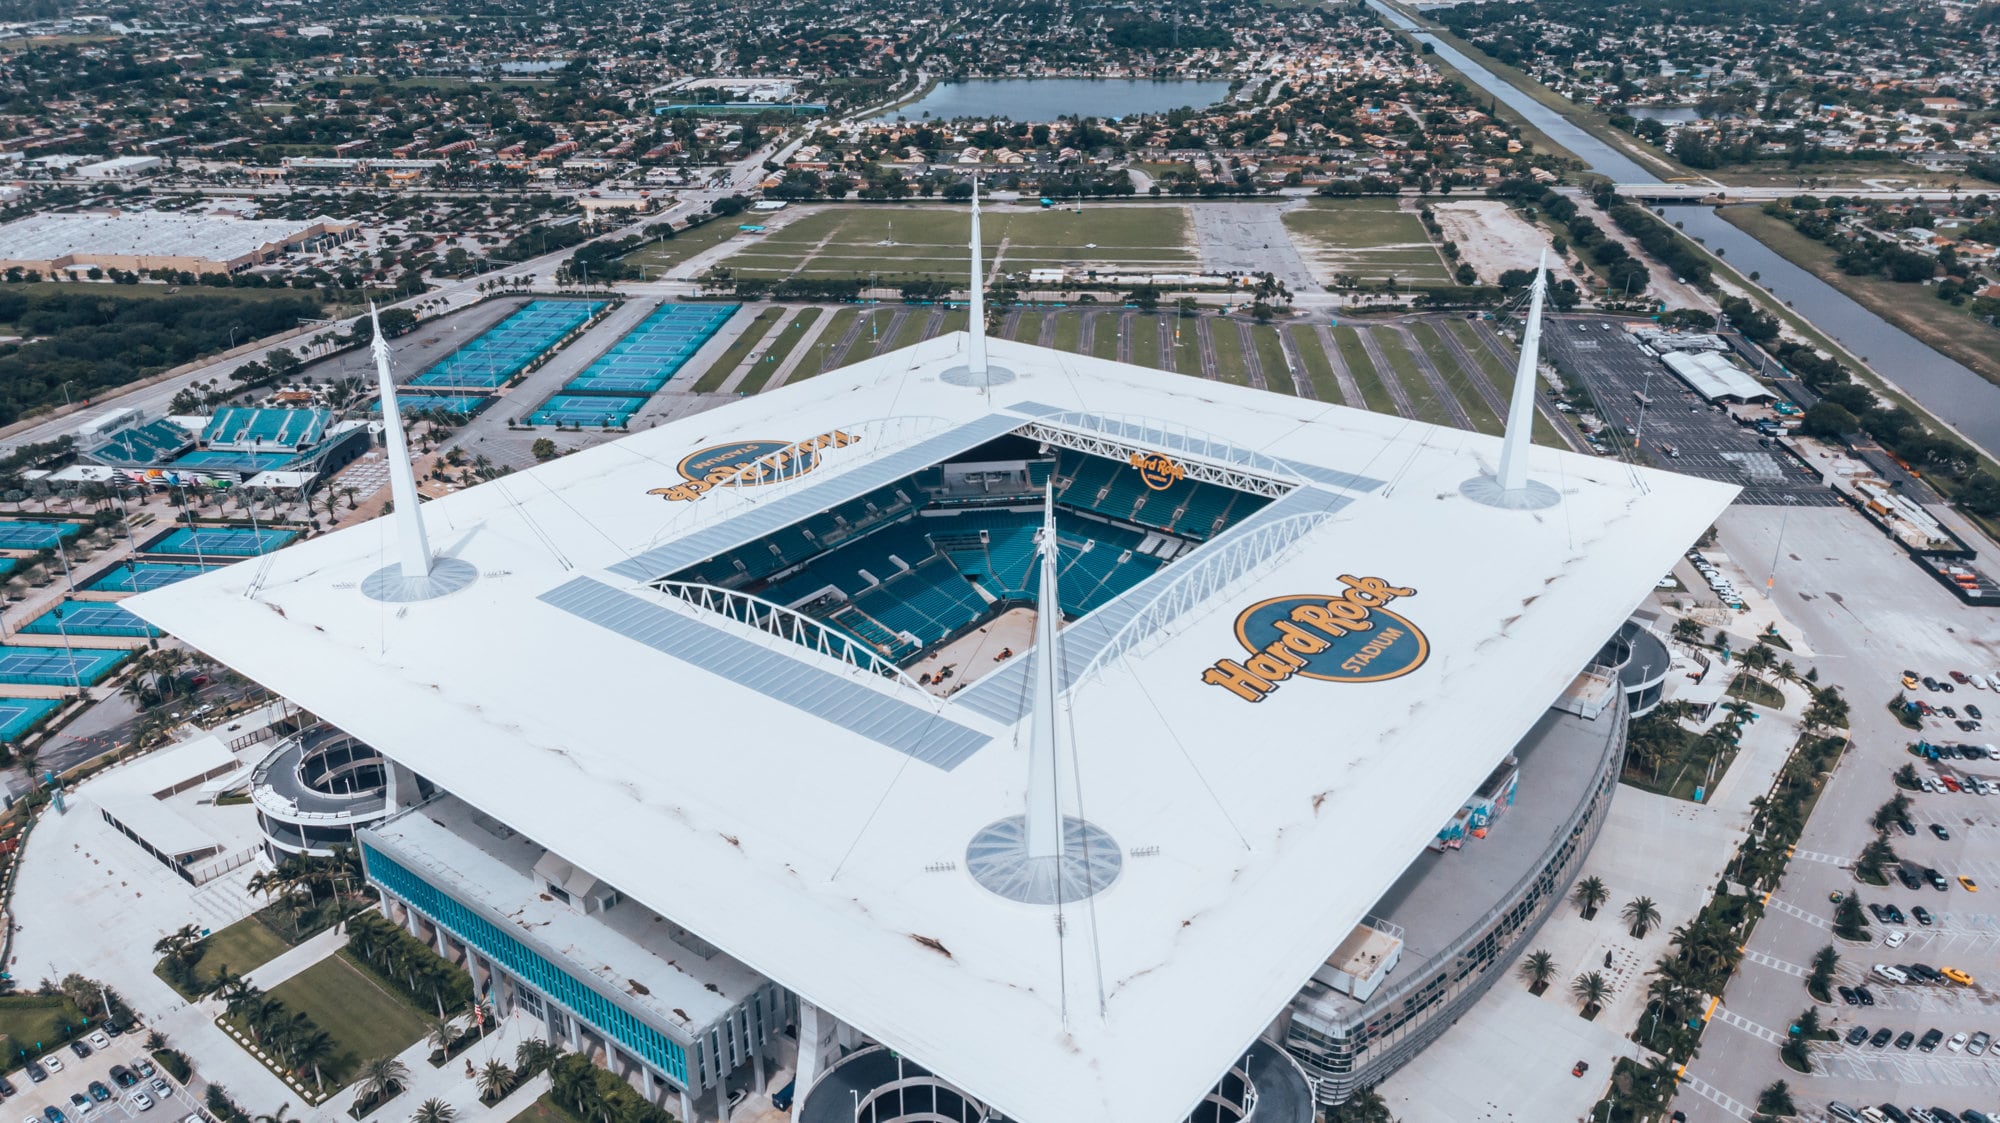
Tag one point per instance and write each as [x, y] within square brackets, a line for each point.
[1731, 1017]
[1788, 908]
[1828, 859]
[1775, 964]
[1716, 1096]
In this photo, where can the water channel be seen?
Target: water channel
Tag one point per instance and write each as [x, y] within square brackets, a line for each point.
[1946, 387]
[1048, 99]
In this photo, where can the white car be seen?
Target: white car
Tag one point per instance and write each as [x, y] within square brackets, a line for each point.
[1895, 939]
[161, 1088]
[144, 1102]
[52, 1062]
[99, 1041]
[1956, 1043]
[1891, 974]
[1993, 682]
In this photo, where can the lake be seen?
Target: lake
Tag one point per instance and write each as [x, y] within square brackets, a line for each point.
[1046, 99]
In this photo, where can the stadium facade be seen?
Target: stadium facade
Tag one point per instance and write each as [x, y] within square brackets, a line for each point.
[985, 731]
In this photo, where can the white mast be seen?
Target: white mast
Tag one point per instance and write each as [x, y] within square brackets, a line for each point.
[1514, 446]
[976, 348]
[412, 547]
[1044, 828]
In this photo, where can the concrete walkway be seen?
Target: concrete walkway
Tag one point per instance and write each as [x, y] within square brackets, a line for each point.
[450, 1083]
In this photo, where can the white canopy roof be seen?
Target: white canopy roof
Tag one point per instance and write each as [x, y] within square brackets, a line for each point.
[807, 818]
[1713, 376]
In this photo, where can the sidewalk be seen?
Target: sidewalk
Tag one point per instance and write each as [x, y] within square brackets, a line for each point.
[450, 1083]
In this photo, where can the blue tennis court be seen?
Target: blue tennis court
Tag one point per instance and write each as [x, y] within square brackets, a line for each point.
[16, 535]
[18, 715]
[89, 618]
[53, 666]
[503, 350]
[220, 541]
[139, 576]
[586, 410]
[653, 352]
[462, 405]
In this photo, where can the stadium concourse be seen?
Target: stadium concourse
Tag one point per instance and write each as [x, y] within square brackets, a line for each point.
[658, 776]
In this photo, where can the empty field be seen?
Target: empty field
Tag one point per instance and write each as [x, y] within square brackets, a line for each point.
[657, 258]
[1368, 239]
[897, 243]
[712, 379]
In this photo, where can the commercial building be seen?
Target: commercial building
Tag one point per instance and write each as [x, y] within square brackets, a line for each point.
[234, 446]
[1033, 735]
[138, 242]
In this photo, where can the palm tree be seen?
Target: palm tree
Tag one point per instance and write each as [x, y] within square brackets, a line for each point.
[534, 1055]
[495, 1079]
[382, 1078]
[1539, 968]
[279, 1116]
[310, 1050]
[1591, 989]
[1588, 894]
[434, 1110]
[1776, 1099]
[442, 1032]
[1640, 913]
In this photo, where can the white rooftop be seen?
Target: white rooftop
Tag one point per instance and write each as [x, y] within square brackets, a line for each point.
[1713, 376]
[812, 820]
[47, 237]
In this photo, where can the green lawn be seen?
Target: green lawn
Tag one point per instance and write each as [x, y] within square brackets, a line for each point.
[1271, 356]
[1145, 347]
[1396, 348]
[365, 1018]
[662, 256]
[1369, 238]
[822, 349]
[788, 337]
[908, 241]
[240, 948]
[33, 1024]
[955, 319]
[1104, 335]
[1187, 348]
[1459, 379]
[1228, 345]
[1069, 331]
[1500, 373]
[1374, 394]
[712, 379]
[911, 330]
[1319, 369]
[545, 1110]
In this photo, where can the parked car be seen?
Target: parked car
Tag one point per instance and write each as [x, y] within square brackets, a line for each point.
[1881, 1038]
[98, 1040]
[1958, 976]
[1979, 1043]
[1908, 879]
[161, 1088]
[1891, 974]
[143, 1067]
[98, 1091]
[1928, 1043]
[1958, 677]
[1866, 996]
[53, 1114]
[1905, 1039]
[52, 1062]
[81, 1103]
[1958, 1041]
[122, 1076]
[36, 1073]
[1973, 711]
[1936, 879]
[1922, 915]
[1895, 915]
[1894, 939]
[1857, 1035]
[1942, 834]
[1847, 996]
[1967, 884]
[80, 1049]
[1930, 683]
[142, 1101]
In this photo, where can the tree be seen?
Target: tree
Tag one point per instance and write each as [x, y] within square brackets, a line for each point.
[1590, 989]
[382, 1077]
[1849, 922]
[310, 1050]
[434, 1110]
[442, 1033]
[1892, 812]
[495, 1079]
[1823, 963]
[1366, 1105]
[1539, 968]
[543, 449]
[1875, 858]
[1776, 1099]
[1689, 631]
[534, 1055]
[1640, 913]
[1588, 894]
[279, 1116]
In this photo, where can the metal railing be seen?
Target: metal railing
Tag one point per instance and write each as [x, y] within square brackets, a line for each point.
[1201, 456]
[792, 626]
[1208, 573]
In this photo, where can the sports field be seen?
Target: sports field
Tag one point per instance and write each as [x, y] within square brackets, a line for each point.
[1370, 239]
[898, 243]
[656, 259]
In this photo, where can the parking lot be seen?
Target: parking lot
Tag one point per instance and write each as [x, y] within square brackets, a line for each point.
[1711, 444]
[31, 1101]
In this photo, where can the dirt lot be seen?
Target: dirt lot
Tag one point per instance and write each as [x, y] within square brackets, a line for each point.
[1493, 239]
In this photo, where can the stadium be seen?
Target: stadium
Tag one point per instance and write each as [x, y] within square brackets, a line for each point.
[982, 732]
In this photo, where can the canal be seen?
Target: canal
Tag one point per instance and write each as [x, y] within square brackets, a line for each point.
[1946, 387]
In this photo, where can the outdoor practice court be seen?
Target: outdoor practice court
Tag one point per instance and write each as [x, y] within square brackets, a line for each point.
[892, 242]
[464, 405]
[17, 714]
[221, 541]
[89, 618]
[140, 576]
[503, 350]
[653, 352]
[53, 666]
[31, 535]
[591, 410]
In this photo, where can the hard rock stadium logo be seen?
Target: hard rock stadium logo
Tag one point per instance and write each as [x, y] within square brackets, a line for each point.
[1349, 636]
[1157, 470]
[749, 464]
